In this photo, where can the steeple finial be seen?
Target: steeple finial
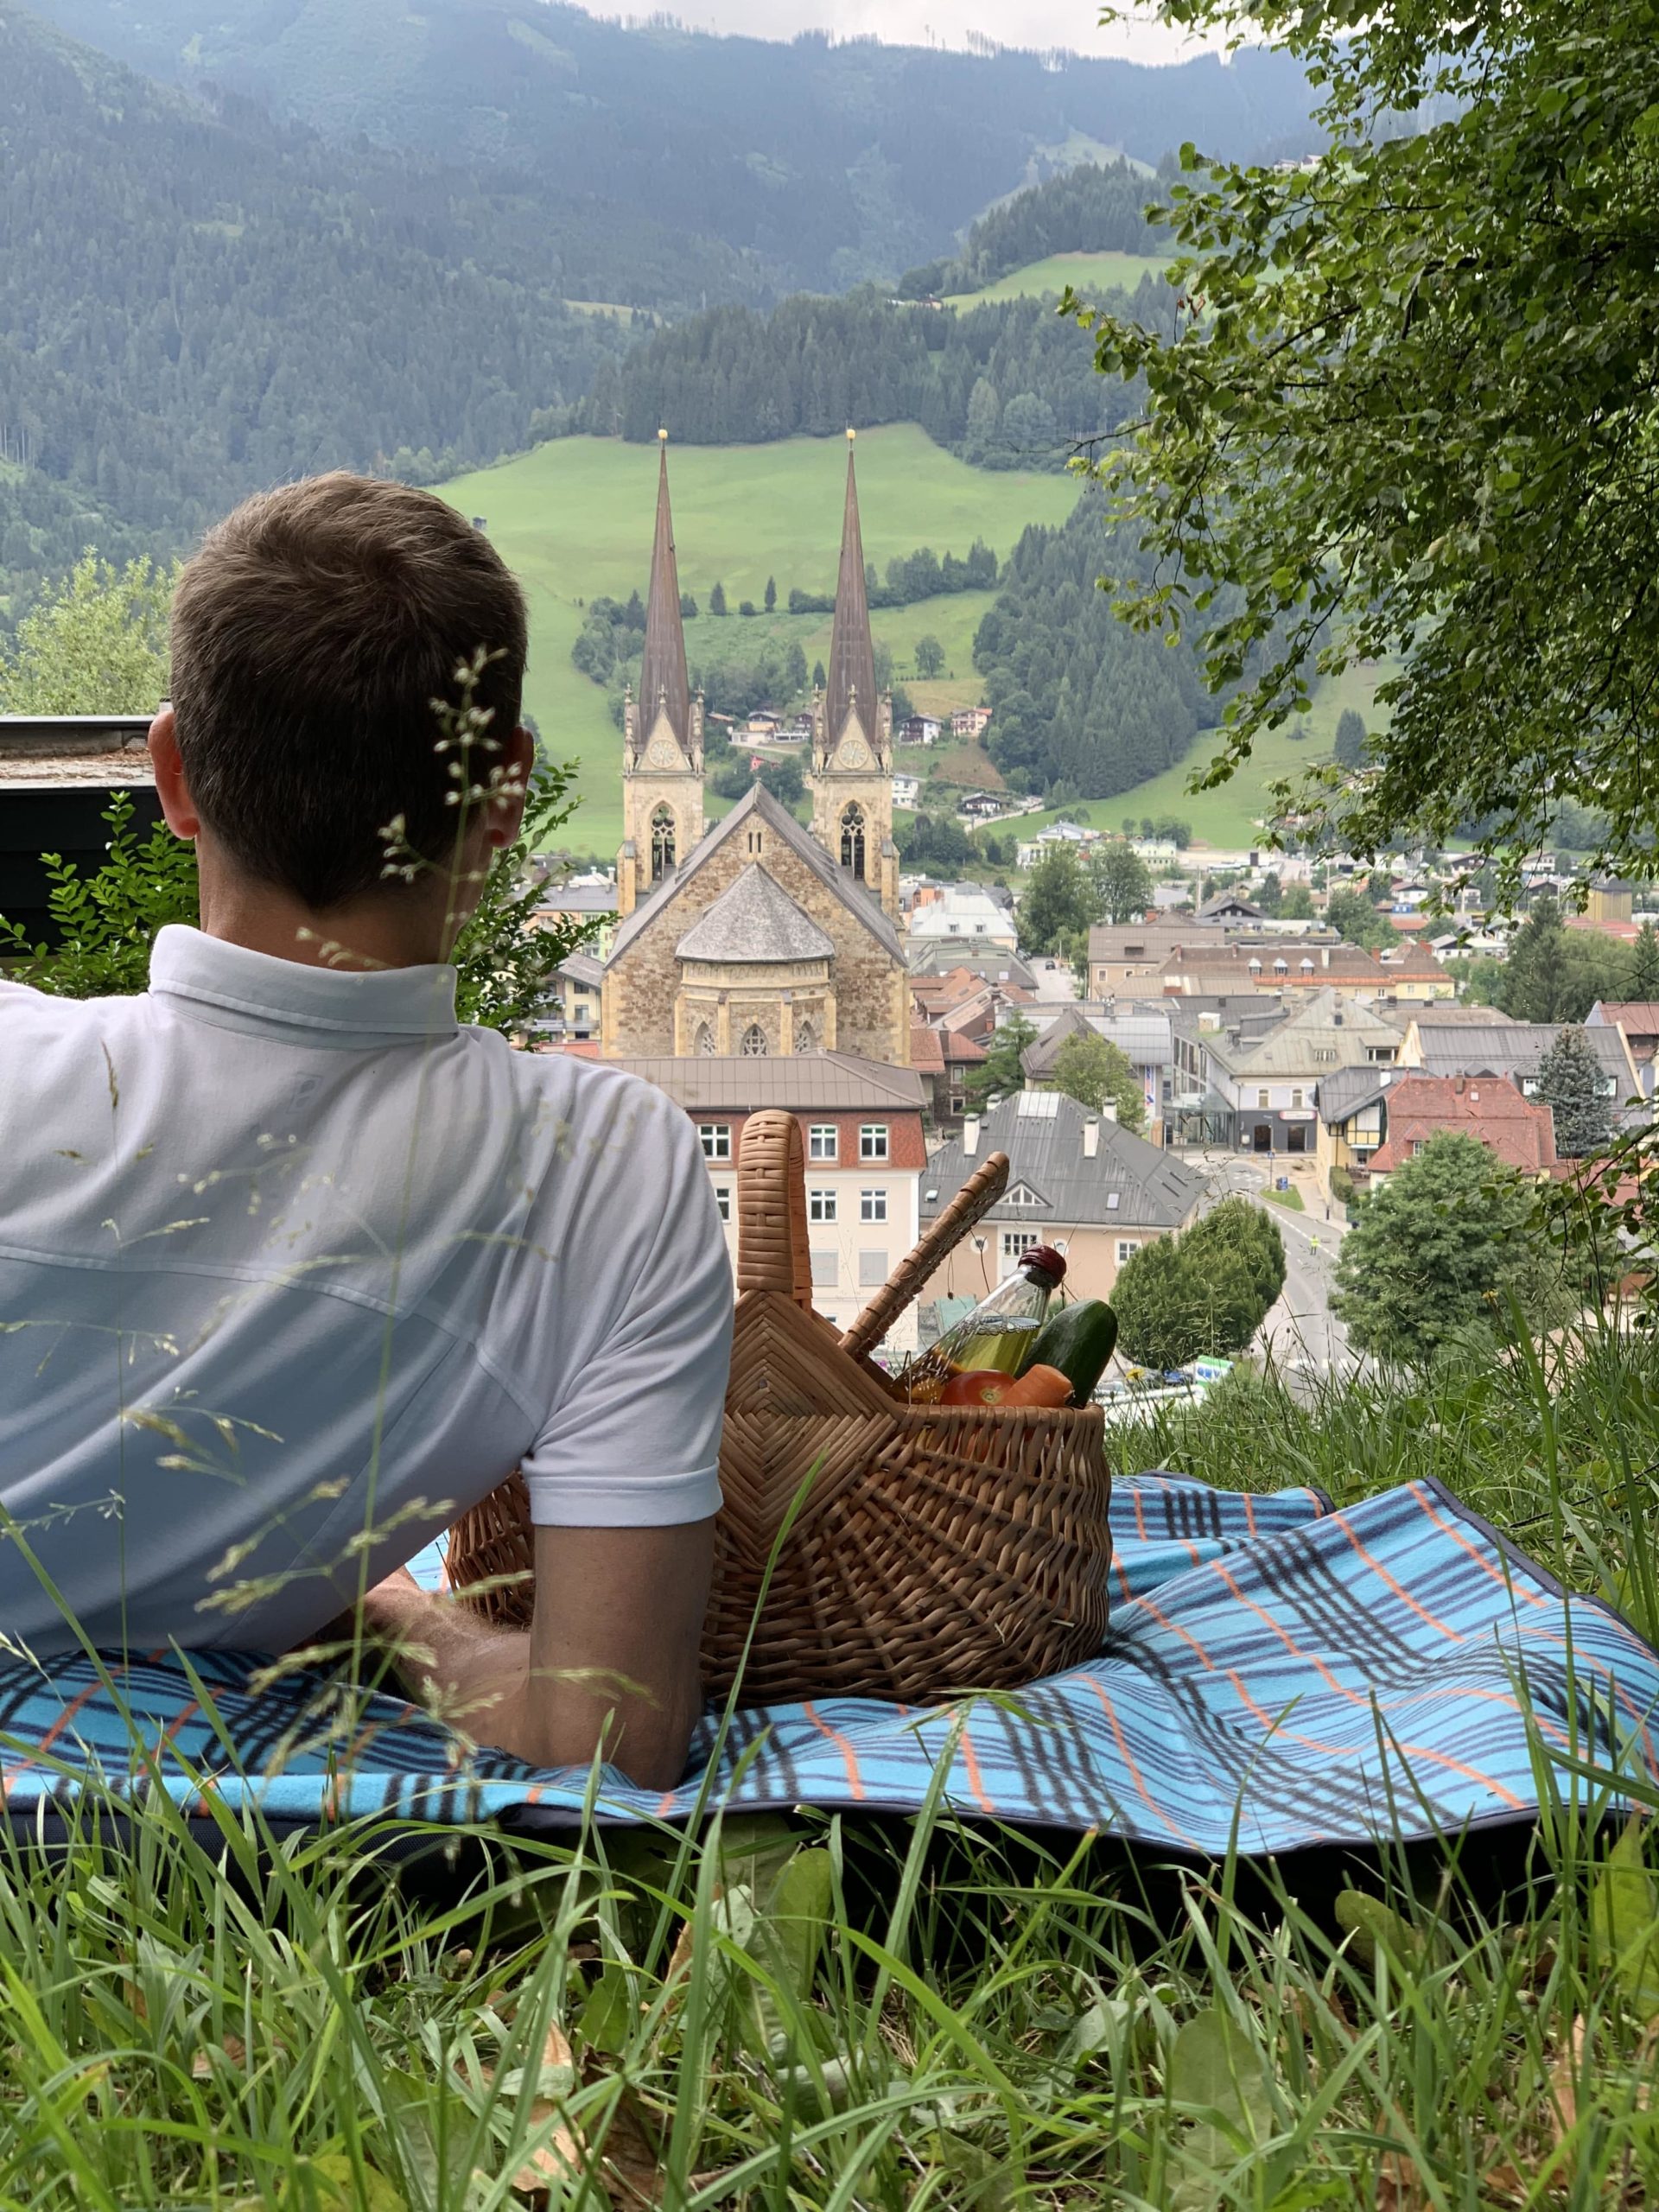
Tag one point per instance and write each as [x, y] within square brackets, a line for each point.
[664, 681]
[852, 651]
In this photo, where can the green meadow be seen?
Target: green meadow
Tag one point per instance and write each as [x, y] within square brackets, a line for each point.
[574, 518]
[1088, 271]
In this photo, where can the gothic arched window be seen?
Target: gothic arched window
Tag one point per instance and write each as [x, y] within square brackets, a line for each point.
[662, 843]
[852, 840]
[703, 1042]
[753, 1046]
[806, 1037]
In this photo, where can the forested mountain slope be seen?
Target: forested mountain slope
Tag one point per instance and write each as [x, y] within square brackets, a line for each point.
[195, 302]
[830, 163]
[1095, 207]
[1008, 385]
[1084, 706]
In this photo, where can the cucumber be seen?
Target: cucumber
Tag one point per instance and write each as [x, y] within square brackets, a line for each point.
[1078, 1340]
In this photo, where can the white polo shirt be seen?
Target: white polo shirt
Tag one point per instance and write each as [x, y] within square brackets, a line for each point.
[292, 1265]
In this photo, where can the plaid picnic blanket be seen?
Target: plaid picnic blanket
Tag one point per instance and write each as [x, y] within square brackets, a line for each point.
[1277, 1673]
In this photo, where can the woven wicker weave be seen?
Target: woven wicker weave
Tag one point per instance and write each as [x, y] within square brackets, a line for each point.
[939, 1548]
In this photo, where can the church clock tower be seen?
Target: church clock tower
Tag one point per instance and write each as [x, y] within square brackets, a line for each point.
[852, 731]
[662, 732]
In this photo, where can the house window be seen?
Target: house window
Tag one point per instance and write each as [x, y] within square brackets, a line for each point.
[723, 1200]
[1125, 1246]
[1016, 1243]
[821, 1140]
[1113, 1198]
[1261, 1101]
[703, 1042]
[872, 1270]
[821, 1206]
[873, 1206]
[872, 1140]
[1295, 1100]
[753, 1046]
[826, 1270]
[716, 1140]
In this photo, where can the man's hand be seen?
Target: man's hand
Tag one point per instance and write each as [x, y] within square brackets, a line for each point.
[610, 1662]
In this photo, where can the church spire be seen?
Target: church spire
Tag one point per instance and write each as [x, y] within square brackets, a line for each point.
[663, 683]
[851, 683]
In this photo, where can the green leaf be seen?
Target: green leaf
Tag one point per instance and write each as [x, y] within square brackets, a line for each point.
[1215, 2067]
[1374, 1929]
[1625, 1912]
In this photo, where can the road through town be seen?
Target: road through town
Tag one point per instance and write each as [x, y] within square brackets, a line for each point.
[1301, 1333]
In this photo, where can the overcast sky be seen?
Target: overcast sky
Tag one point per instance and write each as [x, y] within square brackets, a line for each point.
[1040, 23]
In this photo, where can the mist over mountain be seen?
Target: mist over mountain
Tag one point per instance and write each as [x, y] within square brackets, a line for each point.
[822, 165]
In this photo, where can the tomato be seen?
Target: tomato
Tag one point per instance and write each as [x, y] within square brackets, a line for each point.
[980, 1386]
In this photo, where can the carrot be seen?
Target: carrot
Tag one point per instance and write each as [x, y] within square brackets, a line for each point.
[1038, 1386]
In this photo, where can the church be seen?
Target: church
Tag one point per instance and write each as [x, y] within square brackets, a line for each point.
[757, 938]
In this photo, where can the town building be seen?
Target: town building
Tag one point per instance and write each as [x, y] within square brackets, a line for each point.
[1513, 1050]
[581, 899]
[967, 911]
[862, 1136]
[970, 721]
[756, 938]
[1419, 1108]
[920, 730]
[1639, 1021]
[1261, 1089]
[1076, 1180]
[1143, 1033]
[905, 790]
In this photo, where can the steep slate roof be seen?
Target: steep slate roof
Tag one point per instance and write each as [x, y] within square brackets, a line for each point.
[1494, 1113]
[1042, 1134]
[794, 1081]
[755, 920]
[851, 667]
[1346, 1090]
[662, 671]
[757, 800]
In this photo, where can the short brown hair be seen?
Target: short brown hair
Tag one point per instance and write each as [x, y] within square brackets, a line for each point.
[310, 635]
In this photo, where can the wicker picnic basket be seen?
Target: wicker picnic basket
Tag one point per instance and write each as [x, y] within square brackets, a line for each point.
[938, 1549]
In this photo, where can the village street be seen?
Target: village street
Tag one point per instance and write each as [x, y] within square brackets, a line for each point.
[1303, 1336]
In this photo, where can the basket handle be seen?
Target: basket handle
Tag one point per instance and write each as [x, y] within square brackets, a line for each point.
[771, 1248]
[977, 1197]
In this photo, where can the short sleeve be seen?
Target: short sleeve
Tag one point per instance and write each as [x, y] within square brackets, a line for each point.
[633, 1441]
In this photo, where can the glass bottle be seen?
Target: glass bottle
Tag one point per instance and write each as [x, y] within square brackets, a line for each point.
[999, 1331]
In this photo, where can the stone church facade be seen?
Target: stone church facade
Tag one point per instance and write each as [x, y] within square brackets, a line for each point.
[757, 938]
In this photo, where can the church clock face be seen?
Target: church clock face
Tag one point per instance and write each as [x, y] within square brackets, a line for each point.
[854, 753]
[663, 753]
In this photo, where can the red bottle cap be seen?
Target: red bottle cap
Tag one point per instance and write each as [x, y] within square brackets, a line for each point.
[1046, 1260]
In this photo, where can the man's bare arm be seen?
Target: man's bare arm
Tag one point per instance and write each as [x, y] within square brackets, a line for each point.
[610, 1660]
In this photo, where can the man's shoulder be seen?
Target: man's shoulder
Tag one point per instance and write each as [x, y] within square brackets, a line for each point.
[590, 1092]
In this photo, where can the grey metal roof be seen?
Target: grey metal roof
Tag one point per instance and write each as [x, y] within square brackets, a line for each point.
[1512, 1048]
[755, 920]
[579, 899]
[1326, 1023]
[1144, 1038]
[994, 964]
[796, 1082]
[1152, 1189]
[757, 800]
[582, 968]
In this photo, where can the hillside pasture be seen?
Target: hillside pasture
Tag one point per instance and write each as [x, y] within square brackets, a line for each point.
[574, 518]
[1095, 272]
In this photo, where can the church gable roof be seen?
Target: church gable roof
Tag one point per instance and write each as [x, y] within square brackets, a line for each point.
[758, 802]
[756, 919]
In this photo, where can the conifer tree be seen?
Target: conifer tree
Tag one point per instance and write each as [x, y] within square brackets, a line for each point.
[1571, 1083]
[1645, 964]
[717, 598]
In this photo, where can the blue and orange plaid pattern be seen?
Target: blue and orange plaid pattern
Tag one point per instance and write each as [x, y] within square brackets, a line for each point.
[1277, 1673]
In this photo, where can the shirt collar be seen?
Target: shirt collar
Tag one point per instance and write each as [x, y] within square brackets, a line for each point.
[206, 979]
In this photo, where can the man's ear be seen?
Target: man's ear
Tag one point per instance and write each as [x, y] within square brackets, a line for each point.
[171, 787]
[507, 813]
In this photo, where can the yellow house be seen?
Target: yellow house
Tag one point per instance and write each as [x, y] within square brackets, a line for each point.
[1353, 1119]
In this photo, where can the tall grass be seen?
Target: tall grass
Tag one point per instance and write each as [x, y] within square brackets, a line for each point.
[840, 2014]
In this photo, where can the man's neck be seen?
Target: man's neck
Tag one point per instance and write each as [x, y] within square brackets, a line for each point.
[383, 930]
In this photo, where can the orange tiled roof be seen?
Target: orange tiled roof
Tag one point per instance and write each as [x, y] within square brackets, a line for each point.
[926, 1050]
[1518, 1131]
